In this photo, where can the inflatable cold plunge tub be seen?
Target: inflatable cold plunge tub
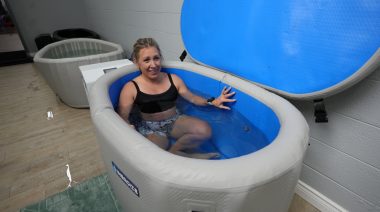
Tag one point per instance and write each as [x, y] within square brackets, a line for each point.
[147, 178]
[59, 64]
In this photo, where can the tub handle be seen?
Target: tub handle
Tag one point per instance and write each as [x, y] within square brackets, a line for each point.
[191, 205]
[183, 55]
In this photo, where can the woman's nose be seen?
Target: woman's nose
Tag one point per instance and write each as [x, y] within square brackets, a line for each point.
[153, 63]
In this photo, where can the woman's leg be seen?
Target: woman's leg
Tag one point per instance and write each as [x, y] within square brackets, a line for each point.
[159, 140]
[190, 133]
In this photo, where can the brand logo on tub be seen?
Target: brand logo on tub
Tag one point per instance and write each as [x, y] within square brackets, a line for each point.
[125, 179]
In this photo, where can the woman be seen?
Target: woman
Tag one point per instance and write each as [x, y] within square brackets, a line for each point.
[155, 94]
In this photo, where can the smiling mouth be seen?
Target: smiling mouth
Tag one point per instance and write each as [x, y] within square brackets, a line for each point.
[154, 70]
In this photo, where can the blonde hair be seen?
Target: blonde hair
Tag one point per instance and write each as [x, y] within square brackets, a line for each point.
[144, 43]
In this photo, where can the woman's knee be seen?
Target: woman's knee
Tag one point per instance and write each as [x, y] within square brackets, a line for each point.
[203, 129]
[193, 126]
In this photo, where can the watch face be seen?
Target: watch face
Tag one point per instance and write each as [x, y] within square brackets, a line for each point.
[209, 101]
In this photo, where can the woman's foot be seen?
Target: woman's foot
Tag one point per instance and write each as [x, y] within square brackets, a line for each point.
[211, 155]
[205, 156]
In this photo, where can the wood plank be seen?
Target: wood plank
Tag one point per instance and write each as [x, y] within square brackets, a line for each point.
[14, 203]
[34, 150]
[299, 204]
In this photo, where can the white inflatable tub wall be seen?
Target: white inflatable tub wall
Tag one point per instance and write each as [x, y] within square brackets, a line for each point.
[146, 178]
[59, 64]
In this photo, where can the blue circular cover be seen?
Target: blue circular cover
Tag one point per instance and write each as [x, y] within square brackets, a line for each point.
[295, 47]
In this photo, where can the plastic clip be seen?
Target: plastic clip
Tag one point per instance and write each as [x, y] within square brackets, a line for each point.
[183, 55]
[320, 111]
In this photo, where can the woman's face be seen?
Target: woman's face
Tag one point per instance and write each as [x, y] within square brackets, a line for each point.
[149, 62]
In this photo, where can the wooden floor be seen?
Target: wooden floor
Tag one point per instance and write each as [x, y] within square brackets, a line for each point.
[34, 150]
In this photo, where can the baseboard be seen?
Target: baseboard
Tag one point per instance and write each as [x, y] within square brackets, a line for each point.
[14, 58]
[317, 199]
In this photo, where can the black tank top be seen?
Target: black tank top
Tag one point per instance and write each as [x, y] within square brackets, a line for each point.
[153, 103]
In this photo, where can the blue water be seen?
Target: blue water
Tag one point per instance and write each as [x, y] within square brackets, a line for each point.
[233, 135]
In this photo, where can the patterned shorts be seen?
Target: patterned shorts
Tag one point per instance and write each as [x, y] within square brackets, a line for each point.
[162, 128]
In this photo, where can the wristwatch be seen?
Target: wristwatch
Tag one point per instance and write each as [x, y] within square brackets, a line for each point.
[209, 100]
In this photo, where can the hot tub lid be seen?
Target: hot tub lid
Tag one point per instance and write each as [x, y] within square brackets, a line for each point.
[299, 49]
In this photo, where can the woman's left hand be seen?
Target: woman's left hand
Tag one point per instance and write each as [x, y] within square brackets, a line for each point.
[224, 97]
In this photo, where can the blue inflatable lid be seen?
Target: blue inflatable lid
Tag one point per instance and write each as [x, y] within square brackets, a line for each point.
[302, 49]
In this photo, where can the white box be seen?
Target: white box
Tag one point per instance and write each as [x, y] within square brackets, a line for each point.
[90, 73]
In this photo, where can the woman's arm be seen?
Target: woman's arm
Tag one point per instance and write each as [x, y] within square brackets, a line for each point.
[200, 101]
[126, 100]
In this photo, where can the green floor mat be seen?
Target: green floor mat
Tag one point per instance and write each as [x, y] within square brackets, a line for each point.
[92, 195]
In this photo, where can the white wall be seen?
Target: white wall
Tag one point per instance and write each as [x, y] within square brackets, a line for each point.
[343, 160]
[125, 21]
[45, 16]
